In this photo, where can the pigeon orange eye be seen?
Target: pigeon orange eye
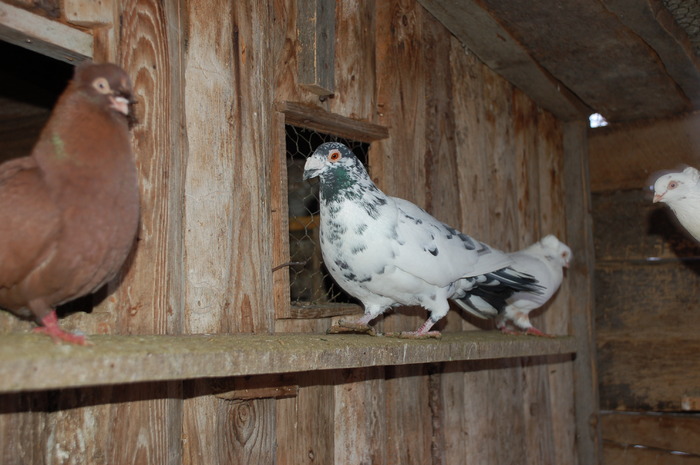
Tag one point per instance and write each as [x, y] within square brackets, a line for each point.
[334, 156]
[672, 185]
[101, 85]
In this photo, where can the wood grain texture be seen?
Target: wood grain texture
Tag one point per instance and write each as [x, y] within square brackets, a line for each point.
[484, 35]
[462, 143]
[316, 35]
[666, 432]
[40, 34]
[580, 283]
[629, 455]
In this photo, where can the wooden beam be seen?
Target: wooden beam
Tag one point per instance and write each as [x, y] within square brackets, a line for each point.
[316, 36]
[478, 31]
[33, 362]
[42, 35]
[579, 228]
[653, 23]
[667, 432]
[308, 116]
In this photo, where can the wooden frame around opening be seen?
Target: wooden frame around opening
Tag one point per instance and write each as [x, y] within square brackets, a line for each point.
[311, 117]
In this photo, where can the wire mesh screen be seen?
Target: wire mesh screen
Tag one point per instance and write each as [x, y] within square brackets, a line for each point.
[310, 285]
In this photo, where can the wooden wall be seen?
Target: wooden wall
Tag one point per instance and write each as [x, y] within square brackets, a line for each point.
[647, 291]
[463, 143]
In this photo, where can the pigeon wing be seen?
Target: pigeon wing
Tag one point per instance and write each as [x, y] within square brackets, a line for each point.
[436, 253]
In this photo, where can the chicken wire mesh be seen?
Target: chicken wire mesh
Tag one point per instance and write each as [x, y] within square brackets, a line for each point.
[309, 281]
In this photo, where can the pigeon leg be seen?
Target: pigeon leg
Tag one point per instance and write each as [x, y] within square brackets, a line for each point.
[50, 327]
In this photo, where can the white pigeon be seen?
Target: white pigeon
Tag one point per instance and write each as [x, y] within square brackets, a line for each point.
[386, 251]
[545, 261]
[681, 192]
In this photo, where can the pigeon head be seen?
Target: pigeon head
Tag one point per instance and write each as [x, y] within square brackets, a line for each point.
[333, 160]
[673, 187]
[560, 252]
[107, 85]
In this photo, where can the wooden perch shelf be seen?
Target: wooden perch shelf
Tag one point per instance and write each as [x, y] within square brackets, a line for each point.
[33, 362]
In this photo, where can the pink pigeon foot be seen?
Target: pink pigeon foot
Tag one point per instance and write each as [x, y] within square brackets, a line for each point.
[421, 333]
[50, 327]
[537, 332]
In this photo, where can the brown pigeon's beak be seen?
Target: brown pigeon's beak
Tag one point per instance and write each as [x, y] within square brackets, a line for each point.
[119, 103]
[657, 198]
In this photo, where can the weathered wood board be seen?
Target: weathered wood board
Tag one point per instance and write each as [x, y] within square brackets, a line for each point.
[447, 133]
[650, 438]
[647, 294]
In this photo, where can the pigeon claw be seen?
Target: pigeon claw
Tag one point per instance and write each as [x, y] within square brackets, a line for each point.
[50, 328]
[537, 332]
[351, 327]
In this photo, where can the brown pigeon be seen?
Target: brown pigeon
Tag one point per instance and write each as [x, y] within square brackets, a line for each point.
[70, 210]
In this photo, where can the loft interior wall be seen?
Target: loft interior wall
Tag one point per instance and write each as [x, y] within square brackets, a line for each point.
[463, 143]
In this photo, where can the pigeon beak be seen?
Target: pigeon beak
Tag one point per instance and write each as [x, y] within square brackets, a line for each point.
[119, 103]
[313, 167]
[657, 198]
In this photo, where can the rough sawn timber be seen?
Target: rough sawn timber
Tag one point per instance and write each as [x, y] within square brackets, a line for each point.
[33, 362]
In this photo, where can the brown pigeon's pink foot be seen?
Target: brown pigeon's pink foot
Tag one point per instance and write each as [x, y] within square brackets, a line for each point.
[50, 327]
[352, 327]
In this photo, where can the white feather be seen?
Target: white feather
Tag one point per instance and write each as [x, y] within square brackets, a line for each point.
[681, 192]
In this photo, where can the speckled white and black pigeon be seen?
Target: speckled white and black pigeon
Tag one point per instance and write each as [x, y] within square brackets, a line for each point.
[545, 260]
[387, 252]
[681, 192]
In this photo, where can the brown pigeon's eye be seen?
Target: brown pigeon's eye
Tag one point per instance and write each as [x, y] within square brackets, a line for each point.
[101, 85]
[672, 185]
[334, 156]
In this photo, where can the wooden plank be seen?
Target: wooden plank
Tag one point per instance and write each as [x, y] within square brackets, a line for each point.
[667, 432]
[23, 427]
[305, 423]
[210, 95]
[408, 416]
[583, 40]
[624, 455]
[355, 66]
[228, 261]
[648, 298]
[580, 239]
[89, 14]
[43, 35]
[647, 371]
[655, 25]
[316, 33]
[624, 156]
[359, 417]
[31, 362]
[483, 34]
[308, 116]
